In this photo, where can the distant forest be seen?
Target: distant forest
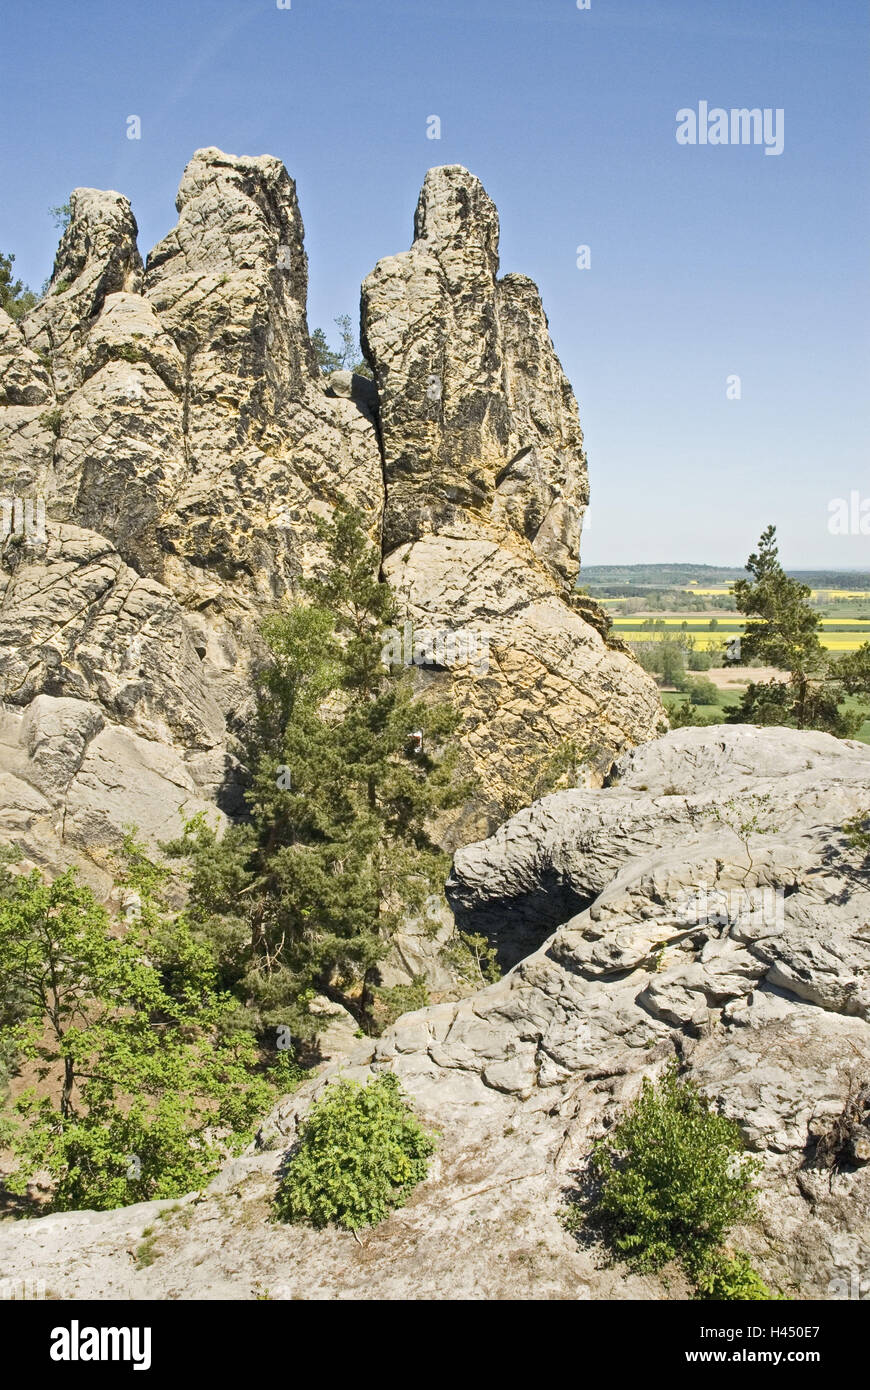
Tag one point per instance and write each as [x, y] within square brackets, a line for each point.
[634, 577]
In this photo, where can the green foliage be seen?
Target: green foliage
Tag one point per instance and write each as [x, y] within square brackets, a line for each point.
[686, 715]
[473, 957]
[306, 897]
[702, 692]
[729, 1278]
[13, 1000]
[361, 1152]
[347, 357]
[673, 1177]
[128, 352]
[51, 420]
[327, 360]
[746, 817]
[544, 772]
[394, 1000]
[785, 629]
[61, 215]
[142, 1081]
[15, 297]
[858, 831]
[784, 632]
[665, 653]
[561, 768]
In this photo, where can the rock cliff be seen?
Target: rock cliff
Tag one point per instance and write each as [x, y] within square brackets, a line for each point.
[173, 417]
[486, 486]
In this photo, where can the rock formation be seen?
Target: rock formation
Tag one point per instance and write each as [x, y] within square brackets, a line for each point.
[486, 485]
[745, 958]
[175, 421]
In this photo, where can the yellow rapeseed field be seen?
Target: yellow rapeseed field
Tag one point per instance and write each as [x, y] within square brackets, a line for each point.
[832, 641]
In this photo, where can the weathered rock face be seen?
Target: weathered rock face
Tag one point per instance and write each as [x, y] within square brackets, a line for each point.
[486, 485]
[526, 670]
[745, 960]
[175, 421]
[177, 427]
[267, 449]
[479, 424]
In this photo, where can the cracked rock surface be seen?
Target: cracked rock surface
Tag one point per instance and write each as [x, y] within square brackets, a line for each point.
[752, 975]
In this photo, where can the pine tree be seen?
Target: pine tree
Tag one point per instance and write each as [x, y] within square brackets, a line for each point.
[15, 297]
[306, 896]
[349, 356]
[784, 632]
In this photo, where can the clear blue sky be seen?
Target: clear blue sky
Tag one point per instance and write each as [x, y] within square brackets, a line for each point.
[706, 260]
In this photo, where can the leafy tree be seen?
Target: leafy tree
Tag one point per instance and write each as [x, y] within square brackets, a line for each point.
[327, 360]
[665, 655]
[473, 957]
[13, 1000]
[15, 297]
[307, 895]
[746, 817]
[700, 660]
[702, 692]
[361, 1152]
[348, 357]
[61, 216]
[784, 632]
[138, 1068]
[852, 671]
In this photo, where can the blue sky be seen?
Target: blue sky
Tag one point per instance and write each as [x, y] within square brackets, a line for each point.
[706, 261]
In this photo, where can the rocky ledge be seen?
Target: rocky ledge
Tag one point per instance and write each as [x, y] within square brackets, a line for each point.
[673, 934]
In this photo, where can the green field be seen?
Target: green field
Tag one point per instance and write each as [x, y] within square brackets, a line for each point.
[700, 607]
[715, 714]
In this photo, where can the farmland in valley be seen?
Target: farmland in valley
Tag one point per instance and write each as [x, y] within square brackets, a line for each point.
[694, 606]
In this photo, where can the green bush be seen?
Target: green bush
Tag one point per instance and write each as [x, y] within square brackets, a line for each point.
[858, 831]
[673, 1177]
[686, 716]
[146, 1075]
[394, 1000]
[128, 352]
[52, 420]
[702, 692]
[727, 1278]
[361, 1152]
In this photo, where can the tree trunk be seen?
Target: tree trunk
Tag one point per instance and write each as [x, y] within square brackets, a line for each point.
[68, 1083]
[366, 1000]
